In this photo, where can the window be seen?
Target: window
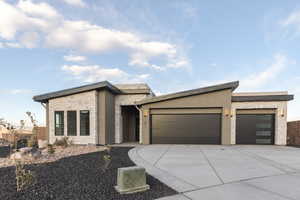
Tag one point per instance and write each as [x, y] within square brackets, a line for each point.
[59, 122]
[72, 124]
[84, 122]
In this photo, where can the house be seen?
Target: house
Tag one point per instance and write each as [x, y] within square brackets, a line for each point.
[103, 113]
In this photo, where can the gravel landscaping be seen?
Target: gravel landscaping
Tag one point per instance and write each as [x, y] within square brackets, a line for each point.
[78, 177]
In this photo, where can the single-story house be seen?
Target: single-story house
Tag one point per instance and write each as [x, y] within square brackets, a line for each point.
[103, 113]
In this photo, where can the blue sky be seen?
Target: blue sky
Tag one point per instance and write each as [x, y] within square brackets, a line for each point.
[171, 45]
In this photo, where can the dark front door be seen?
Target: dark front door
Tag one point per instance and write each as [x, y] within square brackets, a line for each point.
[186, 129]
[255, 129]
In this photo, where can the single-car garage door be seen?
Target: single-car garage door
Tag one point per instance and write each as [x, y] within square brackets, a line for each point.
[255, 129]
[186, 129]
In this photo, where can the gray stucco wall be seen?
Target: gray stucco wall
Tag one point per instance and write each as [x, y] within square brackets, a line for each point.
[218, 99]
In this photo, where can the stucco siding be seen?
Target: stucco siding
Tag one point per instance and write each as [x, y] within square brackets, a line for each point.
[76, 102]
[218, 99]
[280, 118]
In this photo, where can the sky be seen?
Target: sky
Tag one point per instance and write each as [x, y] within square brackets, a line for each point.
[170, 45]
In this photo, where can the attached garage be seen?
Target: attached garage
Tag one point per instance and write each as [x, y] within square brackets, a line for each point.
[255, 128]
[186, 128]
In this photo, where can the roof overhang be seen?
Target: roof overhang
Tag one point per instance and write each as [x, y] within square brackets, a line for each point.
[230, 85]
[43, 98]
[286, 97]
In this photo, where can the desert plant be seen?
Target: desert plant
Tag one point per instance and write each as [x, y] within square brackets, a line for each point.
[63, 142]
[51, 149]
[32, 141]
[107, 158]
[24, 178]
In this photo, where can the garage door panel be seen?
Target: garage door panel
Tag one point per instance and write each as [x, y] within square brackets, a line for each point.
[186, 129]
[255, 129]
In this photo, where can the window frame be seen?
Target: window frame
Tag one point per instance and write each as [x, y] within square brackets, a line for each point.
[61, 125]
[68, 124]
[88, 124]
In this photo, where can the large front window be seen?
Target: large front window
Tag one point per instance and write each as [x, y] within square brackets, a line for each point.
[59, 123]
[84, 122]
[72, 123]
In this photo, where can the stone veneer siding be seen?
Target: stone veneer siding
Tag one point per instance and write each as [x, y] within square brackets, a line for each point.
[280, 121]
[122, 100]
[76, 102]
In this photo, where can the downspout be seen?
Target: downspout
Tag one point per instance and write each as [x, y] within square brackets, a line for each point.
[141, 121]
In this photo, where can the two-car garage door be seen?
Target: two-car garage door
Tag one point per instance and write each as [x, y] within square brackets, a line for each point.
[186, 128]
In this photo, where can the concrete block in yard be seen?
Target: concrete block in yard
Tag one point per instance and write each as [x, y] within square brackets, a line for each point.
[131, 180]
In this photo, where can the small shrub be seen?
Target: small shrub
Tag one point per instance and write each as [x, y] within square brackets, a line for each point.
[51, 149]
[24, 178]
[32, 142]
[63, 142]
[107, 158]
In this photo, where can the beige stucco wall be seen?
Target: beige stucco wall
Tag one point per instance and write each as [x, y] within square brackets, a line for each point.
[280, 121]
[218, 99]
[81, 101]
[121, 100]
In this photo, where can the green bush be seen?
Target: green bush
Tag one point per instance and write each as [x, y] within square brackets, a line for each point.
[24, 178]
[51, 149]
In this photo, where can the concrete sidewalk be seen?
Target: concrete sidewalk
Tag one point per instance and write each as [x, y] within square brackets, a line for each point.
[223, 172]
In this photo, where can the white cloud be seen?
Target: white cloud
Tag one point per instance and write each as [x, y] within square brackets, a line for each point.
[40, 22]
[257, 80]
[16, 91]
[43, 10]
[30, 39]
[12, 45]
[78, 3]
[73, 58]
[14, 20]
[94, 73]
[293, 18]
[291, 25]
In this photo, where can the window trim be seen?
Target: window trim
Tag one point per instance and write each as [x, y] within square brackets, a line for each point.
[89, 128]
[68, 125]
[62, 113]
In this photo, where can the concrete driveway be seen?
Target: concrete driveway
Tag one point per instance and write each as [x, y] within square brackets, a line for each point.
[214, 172]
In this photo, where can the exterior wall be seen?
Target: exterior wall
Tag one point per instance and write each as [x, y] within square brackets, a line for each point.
[293, 133]
[218, 99]
[106, 117]
[121, 100]
[280, 121]
[81, 101]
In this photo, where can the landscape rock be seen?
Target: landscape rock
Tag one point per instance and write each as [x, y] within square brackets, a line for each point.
[16, 156]
[42, 144]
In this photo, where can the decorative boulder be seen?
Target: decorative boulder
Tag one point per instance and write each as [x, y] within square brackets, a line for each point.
[16, 156]
[131, 180]
[42, 144]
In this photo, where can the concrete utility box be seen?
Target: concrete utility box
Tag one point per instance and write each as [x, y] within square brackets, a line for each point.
[131, 180]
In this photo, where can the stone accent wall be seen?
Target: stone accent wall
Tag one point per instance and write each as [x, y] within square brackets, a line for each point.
[81, 101]
[121, 100]
[293, 133]
[280, 121]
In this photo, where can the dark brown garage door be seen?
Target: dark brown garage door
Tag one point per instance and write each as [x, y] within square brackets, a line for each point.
[255, 129]
[186, 129]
